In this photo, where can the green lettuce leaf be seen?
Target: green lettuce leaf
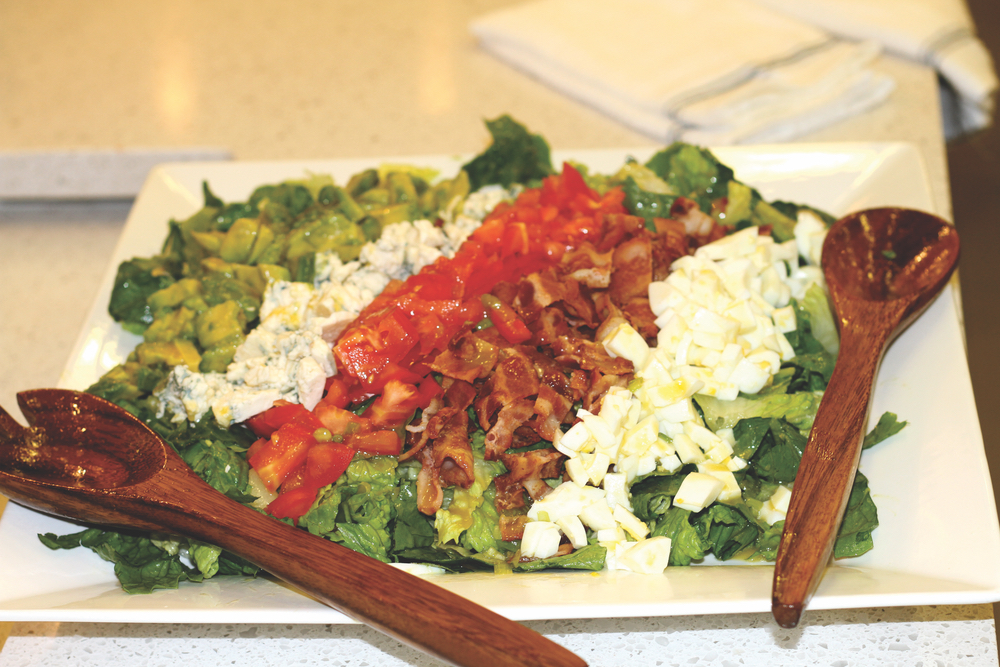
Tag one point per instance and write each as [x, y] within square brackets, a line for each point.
[645, 204]
[860, 519]
[799, 409]
[822, 323]
[514, 156]
[590, 557]
[692, 172]
[140, 565]
[135, 280]
[772, 447]
[727, 530]
[888, 425]
[686, 543]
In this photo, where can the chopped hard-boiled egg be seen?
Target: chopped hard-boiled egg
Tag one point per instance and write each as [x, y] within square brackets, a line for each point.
[698, 491]
[540, 540]
[647, 556]
[776, 507]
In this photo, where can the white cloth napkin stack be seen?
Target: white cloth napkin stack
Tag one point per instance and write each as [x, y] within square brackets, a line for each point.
[712, 72]
[939, 33]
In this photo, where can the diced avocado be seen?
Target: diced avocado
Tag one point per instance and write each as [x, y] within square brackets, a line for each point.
[389, 215]
[173, 295]
[195, 303]
[118, 384]
[370, 227]
[401, 187]
[171, 325]
[347, 205]
[439, 196]
[304, 268]
[219, 289]
[211, 242]
[172, 353]
[217, 359]
[332, 232]
[219, 323]
[251, 276]
[293, 196]
[276, 215]
[272, 272]
[239, 240]
[362, 182]
[374, 197]
[180, 244]
[274, 253]
[644, 177]
[265, 237]
[217, 266]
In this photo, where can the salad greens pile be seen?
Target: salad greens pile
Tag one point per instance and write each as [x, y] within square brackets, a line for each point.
[196, 301]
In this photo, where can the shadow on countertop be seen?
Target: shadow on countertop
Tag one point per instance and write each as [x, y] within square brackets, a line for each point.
[974, 166]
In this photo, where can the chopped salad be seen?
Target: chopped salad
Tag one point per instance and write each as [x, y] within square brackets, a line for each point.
[513, 368]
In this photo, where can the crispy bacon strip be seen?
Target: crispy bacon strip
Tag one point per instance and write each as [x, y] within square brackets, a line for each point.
[510, 493]
[669, 244]
[599, 385]
[530, 468]
[501, 435]
[632, 270]
[549, 325]
[514, 378]
[587, 266]
[448, 461]
[470, 357]
[618, 227]
[430, 494]
[589, 355]
[512, 526]
[453, 454]
[641, 318]
[551, 409]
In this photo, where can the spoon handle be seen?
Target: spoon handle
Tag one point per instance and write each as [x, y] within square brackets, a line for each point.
[399, 604]
[826, 473]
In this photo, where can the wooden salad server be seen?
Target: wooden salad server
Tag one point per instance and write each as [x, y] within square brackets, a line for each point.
[883, 267]
[87, 459]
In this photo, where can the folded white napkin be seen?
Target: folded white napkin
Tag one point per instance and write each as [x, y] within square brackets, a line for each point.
[705, 71]
[939, 33]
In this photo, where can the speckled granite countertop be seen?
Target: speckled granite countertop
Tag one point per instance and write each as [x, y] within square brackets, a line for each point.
[278, 80]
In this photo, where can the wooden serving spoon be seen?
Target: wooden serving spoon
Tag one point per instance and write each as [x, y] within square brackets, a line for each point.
[883, 267]
[87, 459]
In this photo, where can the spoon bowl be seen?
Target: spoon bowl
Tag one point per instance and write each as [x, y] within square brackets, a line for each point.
[883, 267]
[889, 253]
[86, 459]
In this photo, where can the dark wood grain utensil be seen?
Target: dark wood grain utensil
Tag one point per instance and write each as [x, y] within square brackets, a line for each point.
[86, 459]
[883, 267]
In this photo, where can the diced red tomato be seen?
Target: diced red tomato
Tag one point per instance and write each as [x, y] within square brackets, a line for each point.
[337, 392]
[395, 405]
[294, 480]
[283, 453]
[324, 465]
[256, 447]
[326, 462]
[292, 504]
[339, 420]
[267, 422]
